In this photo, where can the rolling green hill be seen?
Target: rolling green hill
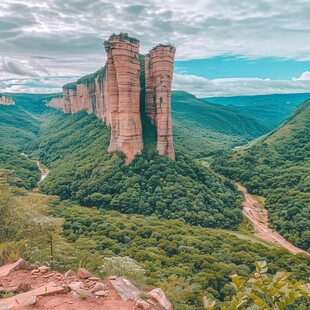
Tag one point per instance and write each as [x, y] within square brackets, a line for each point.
[268, 110]
[278, 168]
[203, 129]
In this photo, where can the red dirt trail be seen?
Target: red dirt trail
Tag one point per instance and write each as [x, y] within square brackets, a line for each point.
[258, 217]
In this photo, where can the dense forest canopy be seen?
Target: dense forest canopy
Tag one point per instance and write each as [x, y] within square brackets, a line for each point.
[278, 168]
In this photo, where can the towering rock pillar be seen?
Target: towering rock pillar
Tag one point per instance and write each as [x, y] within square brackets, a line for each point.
[159, 65]
[123, 91]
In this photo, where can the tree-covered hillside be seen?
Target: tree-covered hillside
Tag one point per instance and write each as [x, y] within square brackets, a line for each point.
[268, 110]
[20, 124]
[278, 168]
[187, 262]
[74, 147]
[202, 129]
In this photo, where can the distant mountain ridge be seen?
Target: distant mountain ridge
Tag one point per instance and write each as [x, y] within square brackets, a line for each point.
[269, 110]
[278, 168]
[203, 128]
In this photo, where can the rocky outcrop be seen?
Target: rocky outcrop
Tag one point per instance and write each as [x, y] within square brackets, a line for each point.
[123, 91]
[47, 289]
[113, 94]
[159, 65]
[6, 100]
[56, 103]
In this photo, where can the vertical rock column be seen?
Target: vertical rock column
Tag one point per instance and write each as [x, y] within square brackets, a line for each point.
[159, 65]
[123, 91]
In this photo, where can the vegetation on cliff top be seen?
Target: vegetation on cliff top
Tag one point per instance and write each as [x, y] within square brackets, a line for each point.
[278, 168]
[122, 35]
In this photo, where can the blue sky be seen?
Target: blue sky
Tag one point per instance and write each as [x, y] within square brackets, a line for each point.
[234, 66]
[224, 47]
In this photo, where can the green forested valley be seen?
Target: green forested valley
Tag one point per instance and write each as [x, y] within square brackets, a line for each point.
[278, 168]
[179, 220]
[84, 171]
[202, 129]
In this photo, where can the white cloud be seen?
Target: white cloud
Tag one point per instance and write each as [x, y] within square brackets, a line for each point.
[199, 28]
[199, 86]
[304, 77]
[36, 85]
[202, 87]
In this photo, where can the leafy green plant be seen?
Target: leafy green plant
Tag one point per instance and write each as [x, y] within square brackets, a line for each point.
[265, 292]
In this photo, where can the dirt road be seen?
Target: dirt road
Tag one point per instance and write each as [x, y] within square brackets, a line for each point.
[258, 217]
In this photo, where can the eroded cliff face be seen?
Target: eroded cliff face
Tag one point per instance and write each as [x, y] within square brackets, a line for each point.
[159, 65]
[113, 94]
[123, 80]
[6, 100]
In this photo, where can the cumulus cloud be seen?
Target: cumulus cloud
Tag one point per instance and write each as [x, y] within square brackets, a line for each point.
[202, 87]
[198, 28]
[305, 76]
[21, 67]
[36, 85]
[64, 37]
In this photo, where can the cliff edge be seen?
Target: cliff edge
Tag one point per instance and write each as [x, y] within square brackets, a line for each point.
[113, 93]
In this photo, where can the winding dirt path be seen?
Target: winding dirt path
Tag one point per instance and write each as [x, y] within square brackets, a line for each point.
[44, 172]
[258, 217]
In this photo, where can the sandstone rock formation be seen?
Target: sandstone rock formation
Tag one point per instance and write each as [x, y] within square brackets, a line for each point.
[56, 103]
[6, 100]
[123, 91]
[158, 78]
[113, 94]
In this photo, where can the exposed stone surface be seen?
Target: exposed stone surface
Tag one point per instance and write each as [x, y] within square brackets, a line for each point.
[123, 74]
[73, 293]
[113, 94]
[6, 100]
[69, 274]
[159, 65]
[83, 273]
[98, 287]
[57, 103]
[18, 265]
[126, 289]
[157, 298]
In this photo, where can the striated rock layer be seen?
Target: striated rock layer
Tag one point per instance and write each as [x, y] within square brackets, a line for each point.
[6, 100]
[113, 94]
[123, 90]
[159, 65]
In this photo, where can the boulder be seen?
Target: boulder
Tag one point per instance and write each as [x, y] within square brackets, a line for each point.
[43, 269]
[101, 293]
[157, 298]
[142, 304]
[74, 286]
[69, 274]
[98, 287]
[83, 273]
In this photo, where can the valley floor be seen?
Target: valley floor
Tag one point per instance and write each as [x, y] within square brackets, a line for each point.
[258, 217]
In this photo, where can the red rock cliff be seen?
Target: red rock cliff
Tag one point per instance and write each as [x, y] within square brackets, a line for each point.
[113, 94]
[123, 90]
[159, 65]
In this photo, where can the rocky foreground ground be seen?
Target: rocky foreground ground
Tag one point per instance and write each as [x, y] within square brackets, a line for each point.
[27, 286]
